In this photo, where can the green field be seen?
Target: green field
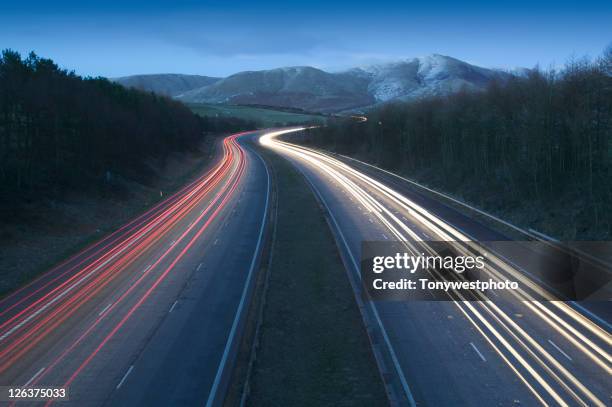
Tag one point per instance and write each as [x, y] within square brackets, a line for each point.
[267, 117]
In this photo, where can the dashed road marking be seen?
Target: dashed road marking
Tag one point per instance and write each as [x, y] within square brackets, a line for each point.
[34, 377]
[559, 349]
[477, 351]
[125, 376]
[105, 309]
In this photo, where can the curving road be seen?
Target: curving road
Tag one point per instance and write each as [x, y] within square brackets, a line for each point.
[149, 315]
[504, 350]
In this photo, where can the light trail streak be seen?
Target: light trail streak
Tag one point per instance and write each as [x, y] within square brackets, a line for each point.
[112, 253]
[436, 225]
[98, 247]
[334, 169]
[569, 311]
[44, 309]
[77, 300]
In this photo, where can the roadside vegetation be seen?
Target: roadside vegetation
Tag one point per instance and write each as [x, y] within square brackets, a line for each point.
[59, 131]
[536, 150]
[313, 348]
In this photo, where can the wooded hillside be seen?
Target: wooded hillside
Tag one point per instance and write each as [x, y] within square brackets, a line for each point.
[60, 131]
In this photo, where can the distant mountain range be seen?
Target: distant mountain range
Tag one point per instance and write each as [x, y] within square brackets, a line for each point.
[315, 90]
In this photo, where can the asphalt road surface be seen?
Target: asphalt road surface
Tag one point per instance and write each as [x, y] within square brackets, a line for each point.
[505, 350]
[149, 315]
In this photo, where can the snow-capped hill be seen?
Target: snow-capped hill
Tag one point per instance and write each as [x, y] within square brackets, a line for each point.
[391, 80]
[433, 67]
[430, 75]
[313, 89]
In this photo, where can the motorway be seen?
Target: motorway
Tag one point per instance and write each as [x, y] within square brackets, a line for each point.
[505, 349]
[150, 315]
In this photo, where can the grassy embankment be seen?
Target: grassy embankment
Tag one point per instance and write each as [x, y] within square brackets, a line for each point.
[266, 117]
[45, 233]
[313, 348]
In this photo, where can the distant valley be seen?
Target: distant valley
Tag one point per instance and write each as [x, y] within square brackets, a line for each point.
[315, 90]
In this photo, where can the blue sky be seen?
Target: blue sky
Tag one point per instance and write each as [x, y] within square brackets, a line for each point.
[217, 38]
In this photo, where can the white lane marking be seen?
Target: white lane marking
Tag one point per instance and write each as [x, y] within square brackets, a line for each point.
[34, 377]
[230, 339]
[560, 350]
[405, 220]
[173, 305]
[147, 268]
[190, 223]
[370, 219]
[125, 377]
[199, 266]
[385, 236]
[105, 309]
[477, 351]
[172, 243]
[216, 241]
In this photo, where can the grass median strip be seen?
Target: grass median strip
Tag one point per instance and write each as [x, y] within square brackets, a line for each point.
[313, 348]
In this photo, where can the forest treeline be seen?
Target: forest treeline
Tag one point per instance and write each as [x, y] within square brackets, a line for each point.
[61, 131]
[537, 147]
